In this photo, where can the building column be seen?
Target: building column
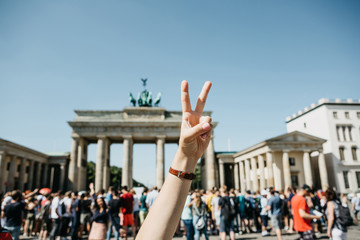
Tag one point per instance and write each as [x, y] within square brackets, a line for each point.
[221, 173]
[99, 170]
[255, 186]
[82, 164]
[247, 174]
[2, 170]
[242, 177]
[286, 169]
[46, 174]
[62, 177]
[262, 172]
[22, 175]
[160, 161]
[323, 171]
[72, 165]
[30, 179]
[125, 181]
[106, 176]
[210, 165]
[307, 169]
[38, 175]
[236, 175]
[11, 175]
[269, 166]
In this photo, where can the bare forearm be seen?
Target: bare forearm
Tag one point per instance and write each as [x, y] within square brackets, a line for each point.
[167, 208]
[330, 222]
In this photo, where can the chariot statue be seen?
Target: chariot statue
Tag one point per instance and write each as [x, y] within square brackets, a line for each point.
[144, 98]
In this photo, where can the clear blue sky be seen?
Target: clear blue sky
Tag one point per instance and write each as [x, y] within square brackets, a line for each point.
[266, 59]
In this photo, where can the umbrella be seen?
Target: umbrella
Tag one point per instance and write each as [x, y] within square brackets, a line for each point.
[45, 191]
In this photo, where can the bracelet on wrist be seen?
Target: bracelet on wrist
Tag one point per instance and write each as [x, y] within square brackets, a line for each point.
[181, 174]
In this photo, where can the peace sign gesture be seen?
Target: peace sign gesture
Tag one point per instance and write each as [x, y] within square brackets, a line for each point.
[195, 129]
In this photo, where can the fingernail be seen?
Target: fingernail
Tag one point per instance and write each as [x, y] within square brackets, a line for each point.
[204, 135]
[206, 126]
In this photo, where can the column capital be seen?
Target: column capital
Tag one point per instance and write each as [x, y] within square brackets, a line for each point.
[286, 151]
[161, 137]
[127, 137]
[321, 150]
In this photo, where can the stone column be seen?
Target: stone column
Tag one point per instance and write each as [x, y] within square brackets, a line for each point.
[106, 181]
[72, 165]
[247, 174]
[255, 186]
[99, 170]
[323, 171]
[262, 172]
[221, 172]
[125, 181]
[307, 169]
[236, 175]
[2, 170]
[11, 175]
[82, 164]
[160, 161]
[22, 174]
[269, 165]
[12, 171]
[131, 147]
[62, 177]
[30, 179]
[242, 177]
[210, 164]
[286, 169]
[38, 175]
[45, 175]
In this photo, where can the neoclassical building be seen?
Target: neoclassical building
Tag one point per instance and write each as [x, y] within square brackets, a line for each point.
[25, 169]
[291, 159]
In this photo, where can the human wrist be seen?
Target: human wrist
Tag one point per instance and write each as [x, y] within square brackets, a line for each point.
[183, 162]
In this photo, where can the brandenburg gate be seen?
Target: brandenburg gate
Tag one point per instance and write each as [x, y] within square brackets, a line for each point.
[137, 124]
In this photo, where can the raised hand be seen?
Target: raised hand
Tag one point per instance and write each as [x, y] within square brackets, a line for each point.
[195, 129]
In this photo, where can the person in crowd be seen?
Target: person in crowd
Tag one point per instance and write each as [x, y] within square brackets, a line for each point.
[85, 213]
[199, 217]
[226, 215]
[355, 203]
[64, 209]
[274, 205]
[216, 210]
[211, 224]
[127, 200]
[335, 229]
[187, 217]
[136, 210]
[151, 197]
[55, 214]
[30, 216]
[114, 211]
[44, 217]
[109, 194]
[143, 211]
[243, 221]
[264, 213]
[287, 213]
[13, 212]
[257, 210]
[75, 216]
[249, 210]
[301, 214]
[100, 219]
[314, 206]
[235, 200]
[6, 199]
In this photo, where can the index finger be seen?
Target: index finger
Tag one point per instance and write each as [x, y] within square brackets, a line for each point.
[200, 104]
[185, 98]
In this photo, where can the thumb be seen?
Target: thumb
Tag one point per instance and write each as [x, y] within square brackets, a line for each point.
[201, 128]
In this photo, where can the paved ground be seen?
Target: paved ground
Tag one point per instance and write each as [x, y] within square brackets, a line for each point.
[353, 233]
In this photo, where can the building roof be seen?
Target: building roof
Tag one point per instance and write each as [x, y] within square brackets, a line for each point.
[322, 102]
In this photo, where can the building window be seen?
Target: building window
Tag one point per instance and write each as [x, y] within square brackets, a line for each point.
[346, 179]
[338, 133]
[304, 124]
[18, 167]
[350, 134]
[8, 166]
[353, 151]
[292, 161]
[358, 179]
[347, 115]
[358, 115]
[27, 169]
[335, 115]
[341, 152]
[294, 181]
[265, 163]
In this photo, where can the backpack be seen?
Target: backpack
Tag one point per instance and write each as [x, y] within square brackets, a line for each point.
[63, 208]
[257, 205]
[342, 216]
[44, 212]
[229, 210]
[200, 223]
[4, 234]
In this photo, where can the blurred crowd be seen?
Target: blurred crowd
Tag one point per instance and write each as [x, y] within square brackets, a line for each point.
[119, 213]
